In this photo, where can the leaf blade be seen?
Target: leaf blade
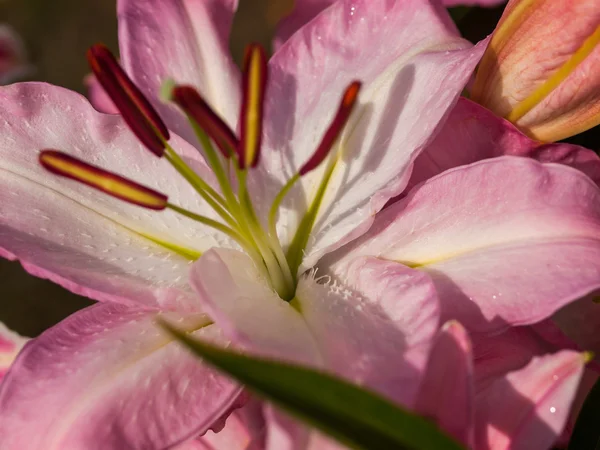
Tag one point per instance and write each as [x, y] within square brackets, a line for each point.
[352, 415]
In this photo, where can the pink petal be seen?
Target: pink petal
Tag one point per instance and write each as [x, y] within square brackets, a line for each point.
[498, 354]
[285, 433]
[108, 377]
[374, 325]
[506, 240]
[304, 11]
[13, 61]
[528, 408]
[375, 330]
[408, 88]
[80, 238]
[238, 298]
[185, 40]
[472, 133]
[98, 96]
[244, 430]
[446, 393]
[10, 345]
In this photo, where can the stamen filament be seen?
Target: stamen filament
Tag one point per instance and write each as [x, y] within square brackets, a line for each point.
[219, 227]
[268, 246]
[296, 250]
[211, 196]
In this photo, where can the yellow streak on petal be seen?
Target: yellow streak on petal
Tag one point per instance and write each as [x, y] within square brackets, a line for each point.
[253, 112]
[556, 79]
[186, 252]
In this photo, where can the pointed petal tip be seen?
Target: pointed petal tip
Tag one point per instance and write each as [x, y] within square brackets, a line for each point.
[64, 165]
[137, 111]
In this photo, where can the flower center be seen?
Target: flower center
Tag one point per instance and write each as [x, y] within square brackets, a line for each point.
[228, 156]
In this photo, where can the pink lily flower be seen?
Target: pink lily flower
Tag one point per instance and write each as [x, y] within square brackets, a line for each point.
[136, 383]
[107, 370]
[540, 69]
[13, 61]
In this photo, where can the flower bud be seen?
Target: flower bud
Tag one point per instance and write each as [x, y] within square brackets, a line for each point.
[541, 70]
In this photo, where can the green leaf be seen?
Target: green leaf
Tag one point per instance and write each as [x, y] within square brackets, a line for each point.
[586, 434]
[354, 416]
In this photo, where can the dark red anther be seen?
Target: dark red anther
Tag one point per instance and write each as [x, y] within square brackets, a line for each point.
[254, 84]
[136, 110]
[110, 183]
[335, 128]
[188, 99]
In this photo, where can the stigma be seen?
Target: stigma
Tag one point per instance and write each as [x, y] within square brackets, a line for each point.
[228, 154]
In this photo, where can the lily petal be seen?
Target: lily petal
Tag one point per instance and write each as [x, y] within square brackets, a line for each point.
[98, 96]
[286, 433]
[374, 325]
[185, 40]
[110, 371]
[407, 90]
[248, 310]
[244, 430]
[528, 408]
[540, 69]
[472, 133]
[506, 240]
[362, 331]
[446, 393]
[304, 11]
[82, 239]
[10, 345]
[13, 61]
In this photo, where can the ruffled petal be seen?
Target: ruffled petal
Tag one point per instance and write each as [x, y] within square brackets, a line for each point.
[98, 96]
[407, 90]
[472, 133]
[374, 324]
[83, 239]
[10, 345]
[110, 371]
[507, 241]
[184, 40]
[528, 408]
[446, 394]
[244, 430]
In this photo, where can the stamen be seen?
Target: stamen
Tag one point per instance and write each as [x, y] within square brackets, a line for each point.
[253, 94]
[335, 128]
[115, 185]
[188, 99]
[136, 110]
[298, 244]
